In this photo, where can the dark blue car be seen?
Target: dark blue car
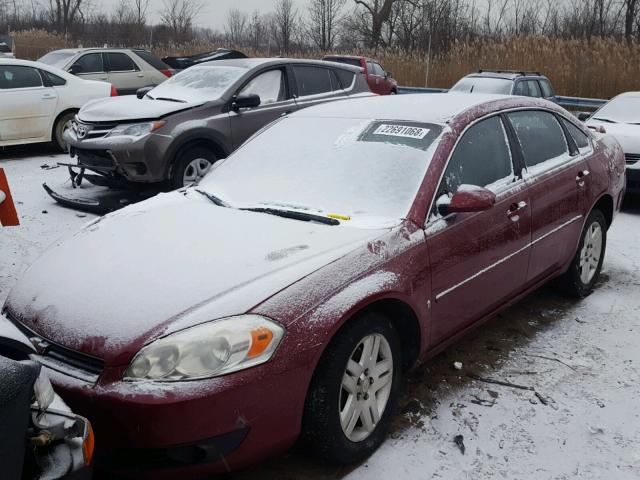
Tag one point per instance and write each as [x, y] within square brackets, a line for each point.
[507, 82]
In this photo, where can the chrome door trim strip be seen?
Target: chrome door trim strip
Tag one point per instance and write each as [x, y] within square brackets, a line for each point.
[502, 260]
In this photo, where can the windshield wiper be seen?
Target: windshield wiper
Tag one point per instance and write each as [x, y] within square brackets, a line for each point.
[608, 120]
[217, 201]
[305, 217]
[167, 99]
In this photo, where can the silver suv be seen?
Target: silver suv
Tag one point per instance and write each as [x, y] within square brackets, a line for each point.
[126, 69]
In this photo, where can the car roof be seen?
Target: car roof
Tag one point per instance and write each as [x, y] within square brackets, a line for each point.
[504, 74]
[251, 63]
[436, 108]
[630, 94]
[15, 61]
[87, 49]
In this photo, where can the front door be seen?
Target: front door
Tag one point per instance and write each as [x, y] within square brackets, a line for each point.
[478, 260]
[27, 106]
[551, 172]
[90, 66]
[276, 101]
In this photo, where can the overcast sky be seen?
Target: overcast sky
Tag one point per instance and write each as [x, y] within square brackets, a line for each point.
[214, 12]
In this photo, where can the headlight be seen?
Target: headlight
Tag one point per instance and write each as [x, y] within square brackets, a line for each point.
[136, 129]
[208, 350]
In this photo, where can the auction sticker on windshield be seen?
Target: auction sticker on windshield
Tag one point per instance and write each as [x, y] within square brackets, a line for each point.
[401, 131]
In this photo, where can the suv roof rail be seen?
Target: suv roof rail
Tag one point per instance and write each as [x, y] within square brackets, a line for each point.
[518, 72]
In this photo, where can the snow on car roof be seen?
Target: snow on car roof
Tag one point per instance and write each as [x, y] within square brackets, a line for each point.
[250, 63]
[420, 107]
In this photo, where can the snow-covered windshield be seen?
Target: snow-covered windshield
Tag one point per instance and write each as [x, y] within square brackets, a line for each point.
[483, 85]
[197, 84]
[367, 170]
[57, 59]
[624, 109]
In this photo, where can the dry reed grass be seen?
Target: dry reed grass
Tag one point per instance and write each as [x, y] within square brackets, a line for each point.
[599, 68]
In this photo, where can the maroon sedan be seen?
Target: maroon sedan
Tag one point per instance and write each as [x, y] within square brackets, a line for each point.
[379, 80]
[286, 295]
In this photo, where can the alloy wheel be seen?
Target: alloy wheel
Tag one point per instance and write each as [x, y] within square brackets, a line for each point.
[196, 169]
[590, 253]
[366, 387]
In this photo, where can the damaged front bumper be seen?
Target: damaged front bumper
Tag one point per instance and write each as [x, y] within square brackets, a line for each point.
[134, 159]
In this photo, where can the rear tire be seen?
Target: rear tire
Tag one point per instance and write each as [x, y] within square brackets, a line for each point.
[585, 268]
[352, 395]
[61, 125]
[190, 166]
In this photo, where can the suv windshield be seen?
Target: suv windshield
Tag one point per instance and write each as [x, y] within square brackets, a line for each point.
[625, 109]
[198, 84]
[367, 170]
[57, 59]
[483, 85]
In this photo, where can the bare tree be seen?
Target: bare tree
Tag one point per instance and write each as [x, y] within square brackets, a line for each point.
[283, 24]
[236, 26]
[378, 12]
[630, 14]
[178, 16]
[257, 30]
[65, 13]
[323, 22]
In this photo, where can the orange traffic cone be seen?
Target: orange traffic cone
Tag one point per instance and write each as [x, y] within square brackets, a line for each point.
[8, 214]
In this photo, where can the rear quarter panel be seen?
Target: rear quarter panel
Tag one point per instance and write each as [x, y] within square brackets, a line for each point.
[607, 167]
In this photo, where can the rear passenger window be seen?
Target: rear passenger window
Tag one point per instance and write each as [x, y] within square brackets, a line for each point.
[54, 80]
[540, 136]
[119, 62]
[312, 80]
[581, 139]
[346, 78]
[482, 158]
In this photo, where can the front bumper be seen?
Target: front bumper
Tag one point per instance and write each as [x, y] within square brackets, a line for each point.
[137, 159]
[193, 428]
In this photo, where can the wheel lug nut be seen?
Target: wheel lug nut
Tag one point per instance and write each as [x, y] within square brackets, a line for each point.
[366, 396]
[370, 380]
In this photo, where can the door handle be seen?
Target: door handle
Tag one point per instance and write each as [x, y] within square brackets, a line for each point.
[48, 96]
[514, 210]
[581, 177]
[288, 112]
[140, 75]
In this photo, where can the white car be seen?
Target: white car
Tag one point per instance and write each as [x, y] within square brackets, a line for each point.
[620, 118]
[127, 69]
[38, 102]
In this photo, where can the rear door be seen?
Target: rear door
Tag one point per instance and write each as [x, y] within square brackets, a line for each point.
[552, 169]
[315, 85]
[478, 260]
[124, 73]
[27, 106]
[276, 101]
[375, 77]
[90, 66]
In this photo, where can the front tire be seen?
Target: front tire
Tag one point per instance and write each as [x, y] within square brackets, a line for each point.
[585, 268]
[190, 166]
[354, 391]
[61, 125]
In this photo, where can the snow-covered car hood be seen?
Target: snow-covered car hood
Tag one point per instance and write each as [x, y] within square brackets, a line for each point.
[627, 135]
[163, 265]
[129, 107]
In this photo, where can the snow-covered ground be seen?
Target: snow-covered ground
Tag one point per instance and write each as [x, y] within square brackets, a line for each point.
[577, 416]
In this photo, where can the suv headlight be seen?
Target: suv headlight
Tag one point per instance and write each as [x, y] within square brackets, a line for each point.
[208, 350]
[136, 129]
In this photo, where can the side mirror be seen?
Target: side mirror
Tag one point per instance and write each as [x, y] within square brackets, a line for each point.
[250, 100]
[584, 116]
[467, 199]
[389, 75]
[141, 92]
[75, 69]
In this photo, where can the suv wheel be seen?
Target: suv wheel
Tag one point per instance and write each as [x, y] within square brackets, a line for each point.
[587, 263]
[61, 126]
[354, 390]
[191, 165]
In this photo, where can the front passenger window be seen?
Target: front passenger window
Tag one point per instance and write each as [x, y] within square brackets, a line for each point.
[269, 86]
[90, 63]
[482, 158]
